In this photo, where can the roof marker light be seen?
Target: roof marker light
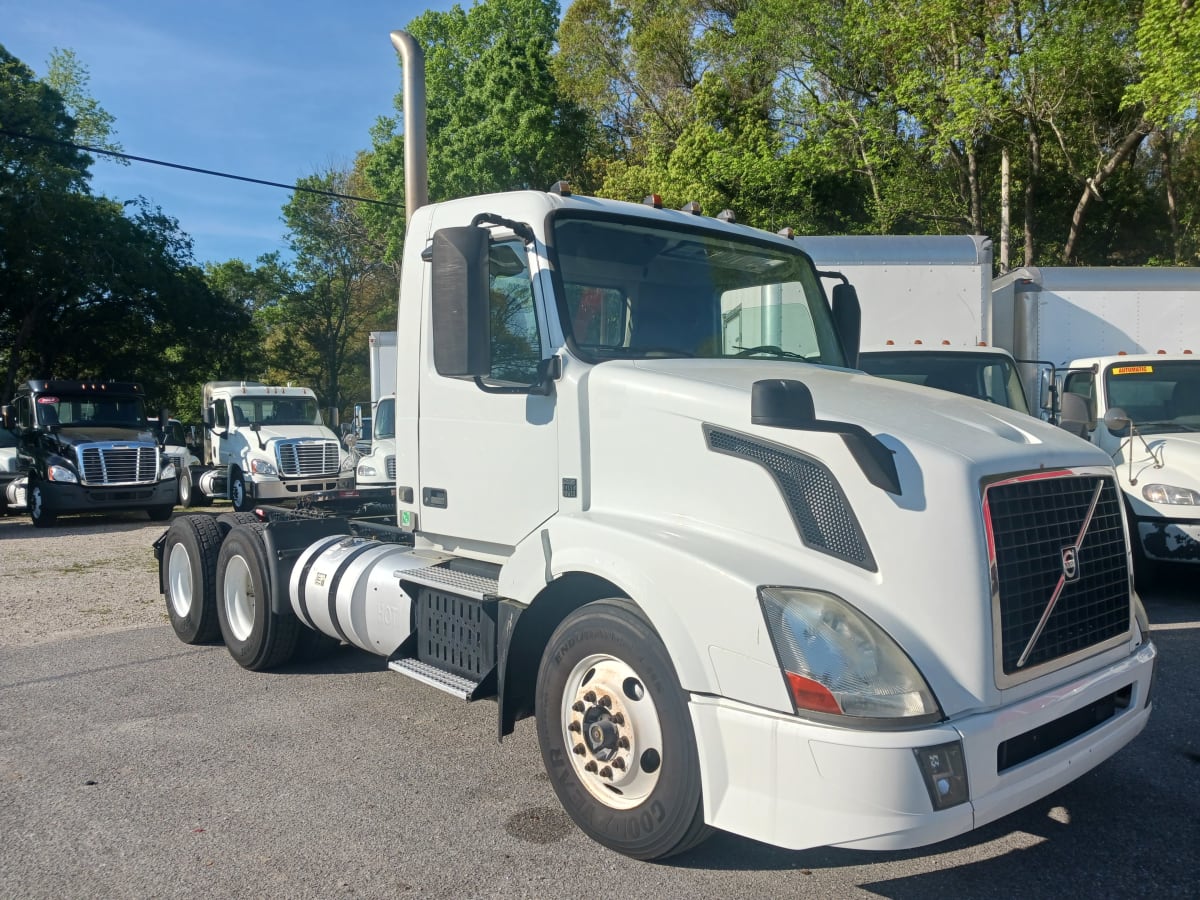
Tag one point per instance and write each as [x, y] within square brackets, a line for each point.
[726, 215]
[787, 232]
[653, 200]
[691, 207]
[562, 188]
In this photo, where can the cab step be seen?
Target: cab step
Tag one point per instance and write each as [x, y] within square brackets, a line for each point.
[456, 685]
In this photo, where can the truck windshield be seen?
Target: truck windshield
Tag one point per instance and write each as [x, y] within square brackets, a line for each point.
[385, 418]
[79, 410]
[275, 411]
[984, 376]
[1157, 396]
[637, 291]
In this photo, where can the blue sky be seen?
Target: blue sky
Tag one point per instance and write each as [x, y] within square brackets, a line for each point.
[272, 90]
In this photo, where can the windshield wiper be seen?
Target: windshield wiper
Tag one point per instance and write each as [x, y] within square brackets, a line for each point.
[776, 352]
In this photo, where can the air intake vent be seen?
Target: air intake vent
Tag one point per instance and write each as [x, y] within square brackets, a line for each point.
[819, 508]
[105, 464]
[307, 457]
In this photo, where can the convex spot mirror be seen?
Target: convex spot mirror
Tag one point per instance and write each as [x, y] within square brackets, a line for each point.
[1117, 421]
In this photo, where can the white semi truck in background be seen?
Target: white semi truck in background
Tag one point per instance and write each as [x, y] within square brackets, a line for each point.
[1125, 342]
[377, 467]
[736, 583]
[263, 444]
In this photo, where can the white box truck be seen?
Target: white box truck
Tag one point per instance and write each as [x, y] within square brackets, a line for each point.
[1126, 340]
[736, 585]
[927, 312]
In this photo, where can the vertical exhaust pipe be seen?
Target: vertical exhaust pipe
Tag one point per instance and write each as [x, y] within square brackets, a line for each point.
[416, 150]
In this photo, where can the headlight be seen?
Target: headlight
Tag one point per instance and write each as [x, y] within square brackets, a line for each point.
[62, 474]
[365, 471]
[168, 471]
[837, 661]
[262, 467]
[1169, 493]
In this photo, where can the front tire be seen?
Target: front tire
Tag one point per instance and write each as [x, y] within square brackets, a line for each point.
[615, 733]
[185, 489]
[190, 558]
[238, 493]
[38, 513]
[256, 638]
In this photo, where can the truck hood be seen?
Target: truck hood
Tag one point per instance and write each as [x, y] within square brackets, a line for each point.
[290, 433]
[1172, 458]
[660, 460]
[73, 435]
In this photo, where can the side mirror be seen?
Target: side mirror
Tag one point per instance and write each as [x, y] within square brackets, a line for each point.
[847, 316]
[209, 418]
[1117, 421]
[345, 428]
[164, 421]
[1074, 417]
[7, 418]
[462, 339]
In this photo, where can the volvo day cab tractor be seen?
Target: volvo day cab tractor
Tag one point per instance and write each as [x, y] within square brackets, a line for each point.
[86, 446]
[264, 444]
[735, 583]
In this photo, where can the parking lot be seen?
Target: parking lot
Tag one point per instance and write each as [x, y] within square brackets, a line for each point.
[132, 765]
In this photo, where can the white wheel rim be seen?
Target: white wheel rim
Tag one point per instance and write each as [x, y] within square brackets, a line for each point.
[185, 490]
[238, 591]
[612, 731]
[179, 580]
[239, 492]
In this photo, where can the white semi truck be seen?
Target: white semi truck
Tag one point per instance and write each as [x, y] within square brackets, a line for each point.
[377, 467]
[1126, 342]
[263, 444]
[736, 583]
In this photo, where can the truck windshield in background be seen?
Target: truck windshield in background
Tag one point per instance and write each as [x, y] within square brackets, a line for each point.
[90, 410]
[1158, 397]
[384, 425]
[635, 291]
[984, 376]
[248, 410]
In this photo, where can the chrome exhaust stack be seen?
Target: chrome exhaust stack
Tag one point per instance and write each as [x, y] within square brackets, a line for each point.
[416, 149]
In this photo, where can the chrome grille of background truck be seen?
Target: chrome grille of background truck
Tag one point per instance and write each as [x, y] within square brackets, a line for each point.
[118, 464]
[306, 457]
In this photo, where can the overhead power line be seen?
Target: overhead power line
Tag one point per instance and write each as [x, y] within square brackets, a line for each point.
[213, 172]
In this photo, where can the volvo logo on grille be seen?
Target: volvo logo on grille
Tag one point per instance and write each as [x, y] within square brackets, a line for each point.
[1070, 563]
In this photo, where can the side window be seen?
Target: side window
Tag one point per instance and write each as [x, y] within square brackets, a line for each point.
[516, 349]
[1083, 384]
[24, 414]
[222, 414]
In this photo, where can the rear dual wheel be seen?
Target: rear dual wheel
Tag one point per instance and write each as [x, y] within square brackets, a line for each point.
[256, 637]
[190, 558]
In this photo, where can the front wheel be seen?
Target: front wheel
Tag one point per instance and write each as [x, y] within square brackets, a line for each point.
[238, 493]
[185, 489]
[41, 516]
[615, 733]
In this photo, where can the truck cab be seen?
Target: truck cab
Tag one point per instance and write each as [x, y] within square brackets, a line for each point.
[266, 444]
[1143, 410]
[86, 446]
[376, 466]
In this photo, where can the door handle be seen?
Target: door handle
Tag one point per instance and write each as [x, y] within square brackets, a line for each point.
[434, 497]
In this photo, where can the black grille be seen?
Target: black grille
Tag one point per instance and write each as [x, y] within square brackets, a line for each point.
[1034, 523]
[819, 509]
[390, 465]
[108, 464]
[305, 457]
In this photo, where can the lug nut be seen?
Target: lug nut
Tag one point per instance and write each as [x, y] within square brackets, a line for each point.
[579, 749]
[578, 706]
[574, 726]
[606, 702]
[619, 763]
[623, 742]
[606, 772]
[591, 765]
[590, 696]
[618, 718]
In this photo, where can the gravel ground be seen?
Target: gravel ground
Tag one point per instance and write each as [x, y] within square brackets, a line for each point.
[105, 579]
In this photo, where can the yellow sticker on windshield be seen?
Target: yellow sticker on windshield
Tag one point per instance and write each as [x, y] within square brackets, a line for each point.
[1132, 370]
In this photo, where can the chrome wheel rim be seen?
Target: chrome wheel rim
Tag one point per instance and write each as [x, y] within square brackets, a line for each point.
[179, 580]
[612, 731]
